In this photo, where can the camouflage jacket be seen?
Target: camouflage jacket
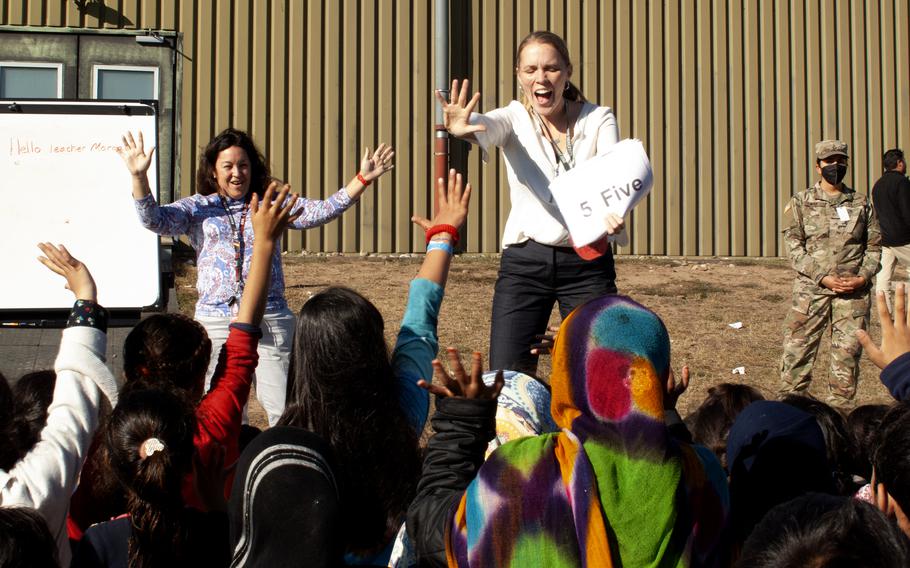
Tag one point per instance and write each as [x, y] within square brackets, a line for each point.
[831, 235]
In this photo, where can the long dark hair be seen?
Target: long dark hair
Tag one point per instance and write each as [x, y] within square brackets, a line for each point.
[838, 443]
[891, 459]
[170, 349]
[152, 483]
[341, 386]
[12, 430]
[23, 414]
[711, 422]
[824, 530]
[573, 93]
[25, 539]
[34, 393]
[259, 169]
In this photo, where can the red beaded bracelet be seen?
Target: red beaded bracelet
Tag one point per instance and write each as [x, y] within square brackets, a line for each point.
[436, 229]
[362, 180]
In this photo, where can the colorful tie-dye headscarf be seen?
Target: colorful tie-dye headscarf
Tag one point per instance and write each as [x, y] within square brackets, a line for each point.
[612, 488]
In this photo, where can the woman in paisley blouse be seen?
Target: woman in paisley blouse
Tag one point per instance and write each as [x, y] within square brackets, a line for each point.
[215, 219]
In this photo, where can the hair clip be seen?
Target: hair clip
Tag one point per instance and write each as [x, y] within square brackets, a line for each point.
[150, 446]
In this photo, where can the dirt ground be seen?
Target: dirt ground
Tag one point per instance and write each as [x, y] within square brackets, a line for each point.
[697, 299]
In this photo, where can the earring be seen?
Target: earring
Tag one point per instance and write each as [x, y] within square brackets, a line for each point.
[567, 87]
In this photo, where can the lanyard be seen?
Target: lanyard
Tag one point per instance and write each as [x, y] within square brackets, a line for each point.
[567, 159]
[238, 244]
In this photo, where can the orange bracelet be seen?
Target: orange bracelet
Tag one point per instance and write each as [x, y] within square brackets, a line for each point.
[362, 180]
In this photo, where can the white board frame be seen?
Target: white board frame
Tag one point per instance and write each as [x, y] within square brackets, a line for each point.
[74, 189]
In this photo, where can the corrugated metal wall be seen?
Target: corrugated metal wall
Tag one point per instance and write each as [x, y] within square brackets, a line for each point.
[728, 96]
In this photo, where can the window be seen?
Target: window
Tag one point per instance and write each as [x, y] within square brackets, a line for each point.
[123, 82]
[31, 80]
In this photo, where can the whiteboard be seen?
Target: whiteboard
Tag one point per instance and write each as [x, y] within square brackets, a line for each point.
[62, 181]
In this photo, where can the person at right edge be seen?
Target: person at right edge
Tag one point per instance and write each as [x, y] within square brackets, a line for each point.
[834, 244]
[891, 199]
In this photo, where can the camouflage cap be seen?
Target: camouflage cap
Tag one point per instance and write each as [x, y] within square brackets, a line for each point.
[828, 148]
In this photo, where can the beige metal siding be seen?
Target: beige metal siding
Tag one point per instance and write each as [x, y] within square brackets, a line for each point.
[729, 97]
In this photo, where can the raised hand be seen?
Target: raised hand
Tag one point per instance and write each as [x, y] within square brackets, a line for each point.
[78, 278]
[457, 111]
[453, 203]
[895, 334]
[674, 390]
[271, 214]
[133, 154]
[461, 385]
[545, 342]
[379, 162]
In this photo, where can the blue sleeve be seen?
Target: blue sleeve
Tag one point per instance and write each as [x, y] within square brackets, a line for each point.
[316, 212]
[172, 220]
[896, 377]
[416, 348]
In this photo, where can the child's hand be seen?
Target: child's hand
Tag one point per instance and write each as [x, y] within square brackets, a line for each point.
[269, 217]
[134, 156]
[545, 342]
[78, 279]
[895, 334]
[453, 203]
[462, 386]
[674, 390]
[373, 166]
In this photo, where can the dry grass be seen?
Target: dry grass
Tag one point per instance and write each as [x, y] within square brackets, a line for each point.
[697, 300]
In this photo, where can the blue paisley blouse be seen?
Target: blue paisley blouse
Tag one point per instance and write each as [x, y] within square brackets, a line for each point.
[204, 220]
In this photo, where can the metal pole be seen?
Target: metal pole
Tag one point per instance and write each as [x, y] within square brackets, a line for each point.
[441, 140]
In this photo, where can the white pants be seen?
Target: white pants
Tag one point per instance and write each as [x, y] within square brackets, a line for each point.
[271, 377]
[890, 257]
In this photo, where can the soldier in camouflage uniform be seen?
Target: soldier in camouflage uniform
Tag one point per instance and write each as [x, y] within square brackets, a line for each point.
[834, 243]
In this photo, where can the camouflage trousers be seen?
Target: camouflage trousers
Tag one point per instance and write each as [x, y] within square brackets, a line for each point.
[806, 323]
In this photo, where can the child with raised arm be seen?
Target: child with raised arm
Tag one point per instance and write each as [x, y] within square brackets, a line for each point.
[45, 477]
[344, 386]
[172, 351]
[216, 220]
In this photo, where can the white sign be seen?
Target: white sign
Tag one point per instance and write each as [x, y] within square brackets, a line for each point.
[611, 183]
[62, 181]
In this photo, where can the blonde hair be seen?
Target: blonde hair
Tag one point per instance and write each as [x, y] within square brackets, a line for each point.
[573, 93]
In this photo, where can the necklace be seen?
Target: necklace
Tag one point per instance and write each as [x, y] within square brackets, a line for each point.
[565, 159]
[238, 244]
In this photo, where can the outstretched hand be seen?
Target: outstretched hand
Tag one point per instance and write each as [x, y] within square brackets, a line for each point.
[461, 385]
[453, 203]
[78, 278]
[133, 154]
[271, 214]
[545, 341]
[457, 111]
[895, 334]
[674, 390]
[379, 162]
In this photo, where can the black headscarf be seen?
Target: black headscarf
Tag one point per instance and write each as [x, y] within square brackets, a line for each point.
[775, 453]
[285, 508]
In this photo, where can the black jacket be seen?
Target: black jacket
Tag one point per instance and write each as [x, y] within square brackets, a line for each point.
[455, 453]
[891, 198]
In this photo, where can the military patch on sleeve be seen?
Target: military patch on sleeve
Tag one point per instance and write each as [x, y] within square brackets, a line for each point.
[788, 213]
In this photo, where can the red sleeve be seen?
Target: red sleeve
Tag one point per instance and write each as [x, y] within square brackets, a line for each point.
[219, 415]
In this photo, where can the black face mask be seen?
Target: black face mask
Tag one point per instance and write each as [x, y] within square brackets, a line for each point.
[834, 173]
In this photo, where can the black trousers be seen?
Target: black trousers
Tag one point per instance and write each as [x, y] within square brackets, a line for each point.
[532, 277]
